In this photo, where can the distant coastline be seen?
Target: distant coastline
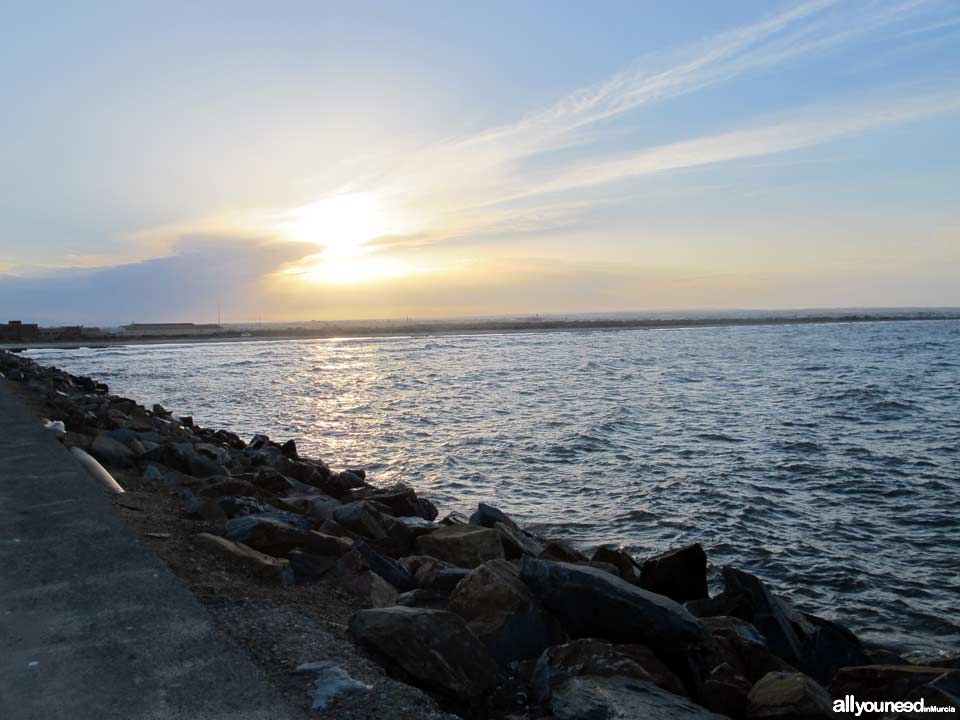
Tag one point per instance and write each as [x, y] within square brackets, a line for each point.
[360, 329]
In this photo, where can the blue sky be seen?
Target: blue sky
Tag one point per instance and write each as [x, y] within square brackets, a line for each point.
[340, 160]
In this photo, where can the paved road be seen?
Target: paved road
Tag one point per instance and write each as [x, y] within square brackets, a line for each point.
[92, 625]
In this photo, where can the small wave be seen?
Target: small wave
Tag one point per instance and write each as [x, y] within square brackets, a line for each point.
[719, 437]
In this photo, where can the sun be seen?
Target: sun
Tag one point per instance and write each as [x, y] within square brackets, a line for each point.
[341, 224]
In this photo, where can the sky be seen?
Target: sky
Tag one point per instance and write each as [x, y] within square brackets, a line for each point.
[349, 160]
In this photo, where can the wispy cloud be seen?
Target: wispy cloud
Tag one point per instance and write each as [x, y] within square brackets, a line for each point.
[494, 181]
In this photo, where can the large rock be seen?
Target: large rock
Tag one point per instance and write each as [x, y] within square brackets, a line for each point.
[592, 603]
[788, 696]
[884, 682]
[367, 519]
[465, 546]
[725, 691]
[400, 499]
[768, 615]
[619, 698]
[626, 566]
[680, 574]
[433, 648]
[354, 574]
[258, 563]
[589, 656]
[278, 535]
[518, 543]
[110, 451]
[432, 574]
[488, 516]
[828, 646]
[503, 614]
[743, 648]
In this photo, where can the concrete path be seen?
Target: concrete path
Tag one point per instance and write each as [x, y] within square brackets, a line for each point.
[92, 625]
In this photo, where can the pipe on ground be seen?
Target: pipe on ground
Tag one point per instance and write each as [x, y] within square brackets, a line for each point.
[97, 471]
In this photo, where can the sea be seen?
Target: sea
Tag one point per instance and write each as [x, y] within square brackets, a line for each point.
[823, 458]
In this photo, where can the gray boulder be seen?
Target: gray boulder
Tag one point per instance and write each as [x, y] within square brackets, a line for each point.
[433, 648]
[110, 451]
[501, 611]
[465, 546]
[593, 603]
[788, 696]
[621, 698]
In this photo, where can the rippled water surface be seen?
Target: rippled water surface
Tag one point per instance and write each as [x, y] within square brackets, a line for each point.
[824, 458]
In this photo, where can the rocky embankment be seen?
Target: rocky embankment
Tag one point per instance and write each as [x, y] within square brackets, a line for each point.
[490, 619]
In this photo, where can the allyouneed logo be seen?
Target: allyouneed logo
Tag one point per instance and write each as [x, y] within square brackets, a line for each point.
[850, 705]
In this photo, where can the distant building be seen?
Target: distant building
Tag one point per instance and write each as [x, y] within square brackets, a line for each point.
[16, 330]
[168, 329]
[65, 332]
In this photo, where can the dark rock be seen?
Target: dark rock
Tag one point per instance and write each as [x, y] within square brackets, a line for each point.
[503, 614]
[388, 569]
[680, 574]
[788, 696]
[308, 566]
[562, 552]
[943, 691]
[319, 506]
[725, 691]
[354, 574]
[400, 500]
[424, 599]
[236, 506]
[227, 486]
[112, 452]
[626, 566]
[339, 484]
[434, 648]
[289, 450]
[518, 543]
[743, 648]
[769, 615]
[589, 656]
[591, 603]
[488, 516]
[465, 546]
[883, 682]
[729, 604]
[277, 534]
[619, 698]
[269, 480]
[828, 646]
[256, 562]
[367, 519]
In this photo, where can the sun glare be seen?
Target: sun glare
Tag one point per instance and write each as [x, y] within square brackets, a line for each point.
[341, 224]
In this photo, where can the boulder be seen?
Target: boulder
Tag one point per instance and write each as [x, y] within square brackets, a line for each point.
[884, 682]
[400, 500]
[429, 573]
[562, 552]
[518, 543]
[465, 546]
[626, 566]
[725, 691]
[620, 698]
[308, 566]
[589, 656]
[768, 615]
[388, 569]
[256, 562]
[943, 691]
[828, 646]
[277, 534]
[743, 648]
[289, 450]
[339, 484]
[110, 451]
[354, 574]
[488, 516]
[503, 614]
[788, 696]
[424, 599]
[433, 648]
[592, 603]
[680, 574]
[319, 506]
[222, 487]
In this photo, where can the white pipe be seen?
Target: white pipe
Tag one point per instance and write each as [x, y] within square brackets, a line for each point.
[97, 471]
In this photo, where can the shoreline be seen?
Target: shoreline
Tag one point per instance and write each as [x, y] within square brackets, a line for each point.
[512, 615]
[338, 331]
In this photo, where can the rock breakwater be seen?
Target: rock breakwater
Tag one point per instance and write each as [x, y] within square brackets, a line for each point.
[493, 620]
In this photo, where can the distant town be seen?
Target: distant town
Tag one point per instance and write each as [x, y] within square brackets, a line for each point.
[15, 333]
